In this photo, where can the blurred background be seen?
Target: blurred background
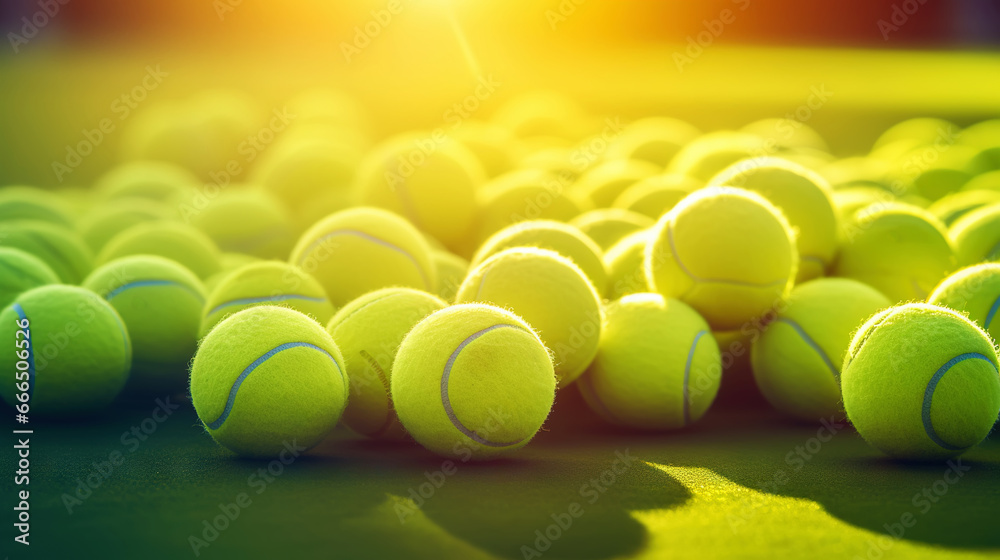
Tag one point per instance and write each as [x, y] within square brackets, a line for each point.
[718, 64]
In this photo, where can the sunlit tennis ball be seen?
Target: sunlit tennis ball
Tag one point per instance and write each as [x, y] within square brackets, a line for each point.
[451, 270]
[710, 153]
[300, 172]
[600, 185]
[624, 262]
[526, 194]
[655, 196]
[976, 235]
[787, 134]
[974, 291]
[246, 221]
[951, 207]
[607, 226]
[653, 139]
[493, 145]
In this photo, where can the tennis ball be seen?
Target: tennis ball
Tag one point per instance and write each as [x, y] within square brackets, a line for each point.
[540, 113]
[30, 203]
[181, 243]
[657, 368]
[429, 179]
[249, 221]
[655, 196]
[299, 172]
[549, 292]
[787, 137]
[265, 283]
[624, 262]
[975, 292]
[653, 139]
[368, 331]
[856, 171]
[607, 226]
[803, 196]
[472, 381]
[898, 249]
[989, 181]
[160, 303]
[554, 236]
[951, 207]
[156, 180]
[600, 185]
[976, 235]
[355, 251]
[707, 155]
[932, 173]
[451, 270]
[526, 194]
[923, 130]
[797, 358]
[491, 144]
[56, 246]
[727, 252]
[228, 262]
[268, 379]
[21, 272]
[111, 218]
[78, 356]
[921, 382]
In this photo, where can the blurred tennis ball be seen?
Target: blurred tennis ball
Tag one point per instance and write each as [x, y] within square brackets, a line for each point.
[607, 226]
[655, 196]
[248, 221]
[178, 242]
[57, 246]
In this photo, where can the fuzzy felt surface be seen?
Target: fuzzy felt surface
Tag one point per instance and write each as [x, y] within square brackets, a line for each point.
[369, 331]
[80, 351]
[472, 380]
[974, 291]
[355, 251]
[976, 236]
[57, 246]
[21, 271]
[176, 241]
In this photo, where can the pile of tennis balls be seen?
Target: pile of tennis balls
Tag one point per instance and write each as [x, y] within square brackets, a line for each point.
[448, 287]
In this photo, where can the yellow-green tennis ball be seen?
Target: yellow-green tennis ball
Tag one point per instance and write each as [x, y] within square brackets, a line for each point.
[543, 113]
[21, 271]
[655, 196]
[607, 226]
[600, 185]
[300, 171]
[228, 262]
[267, 380]
[525, 194]
[924, 130]
[975, 292]
[272, 283]
[156, 180]
[111, 218]
[953, 206]
[803, 196]
[931, 173]
[787, 135]
[472, 381]
[705, 156]
[549, 292]
[429, 179]
[848, 201]
[57, 246]
[554, 236]
[78, 354]
[898, 249]
[493, 145]
[921, 382]
[657, 368]
[976, 236]
[653, 139]
[160, 303]
[451, 270]
[178, 242]
[355, 251]
[369, 331]
[989, 181]
[32, 203]
[797, 359]
[247, 221]
[624, 262]
[727, 252]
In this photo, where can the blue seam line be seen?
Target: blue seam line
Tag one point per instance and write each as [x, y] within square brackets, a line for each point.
[217, 423]
[929, 395]
[444, 389]
[371, 238]
[687, 376]
[31, 350]
[252, 300]
[680, 263]
[814, 345]
[151, 283]
[991, 314]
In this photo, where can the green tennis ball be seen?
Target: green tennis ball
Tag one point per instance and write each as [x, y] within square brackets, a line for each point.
[554, 236]
[111, 218]
[268, 379]
[78, 356]
[57, 246]
[655, 196]
[921, 382]
[976, 236]
[265, 283]
[797, 358]
[20, 272]
[657, 368]
[155, 180]
[369, 331]
[607, 226]
[246, 221]
[451, 270]
[472, 381]
[898, 249]
[160, 303]
[707, 155]
[31, 203]
[355, 251]
[803, 196]
[727, 252]
[525, 194]
[429, 179]
[947, 172]
[653, 139]
[989, 181]
[975, 292]
[178, 242]
[301, 171]
[624, 263]
[922, 130]
[600, 185]
[549, 292]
